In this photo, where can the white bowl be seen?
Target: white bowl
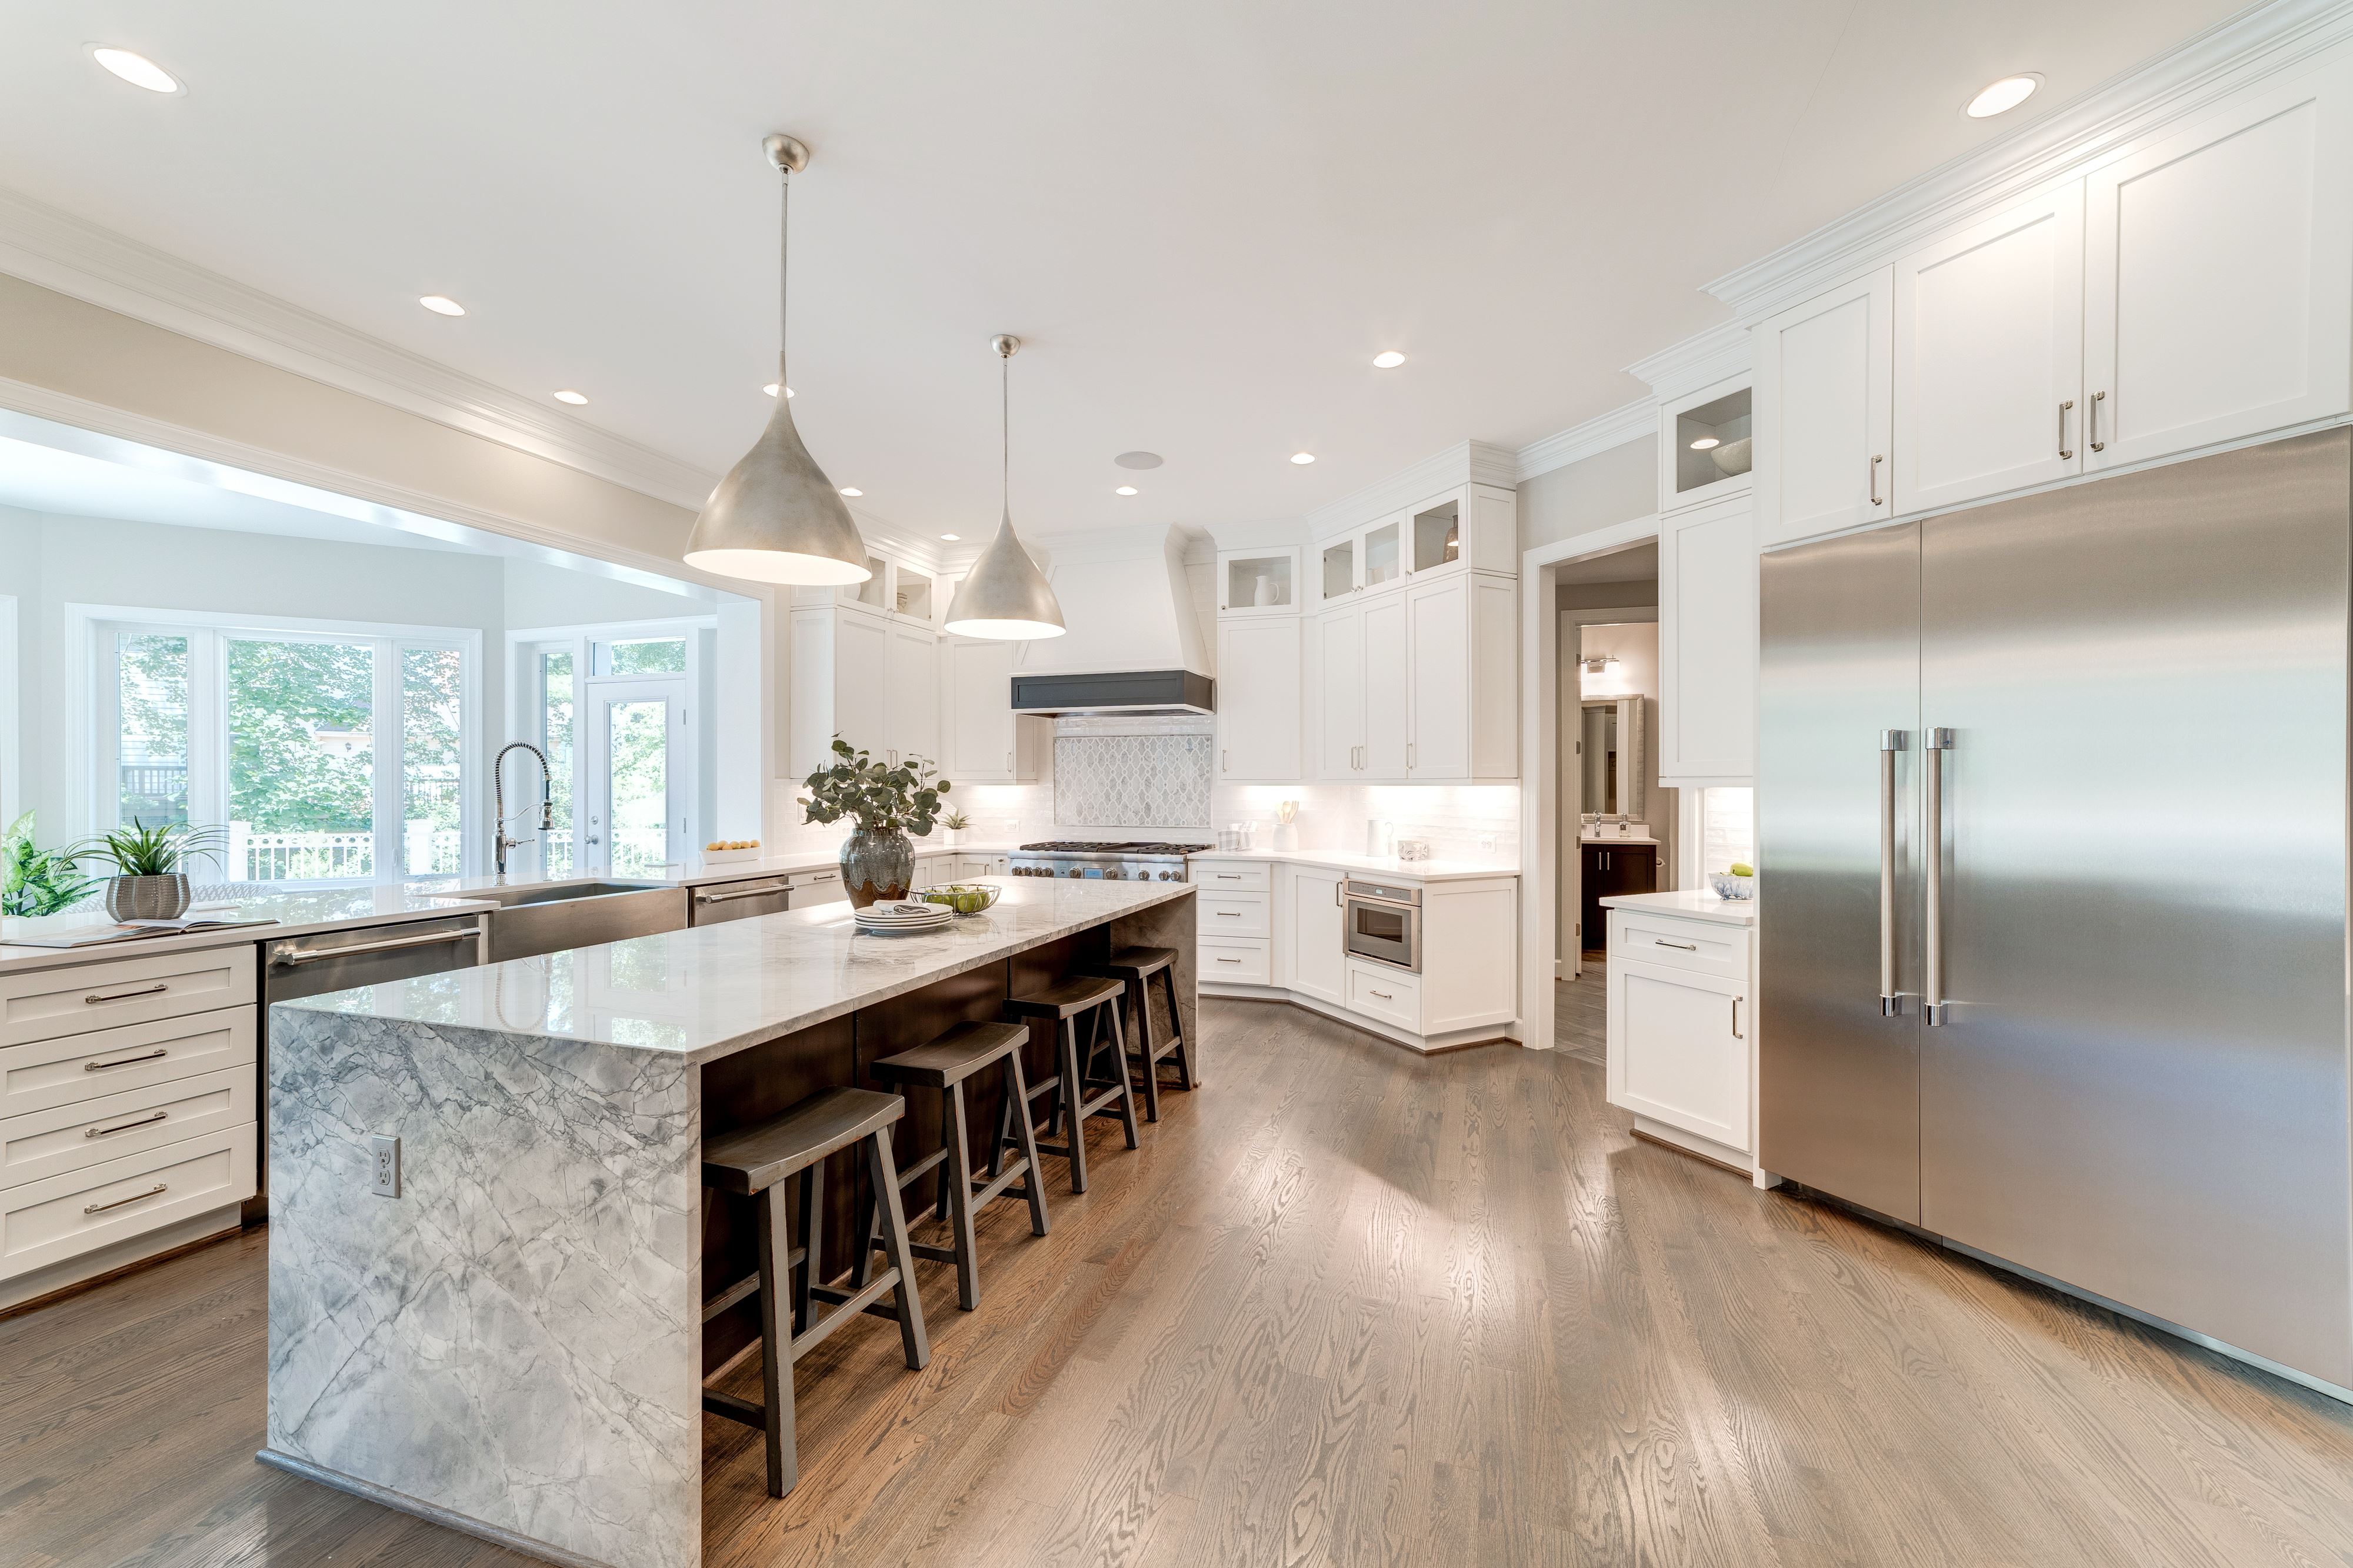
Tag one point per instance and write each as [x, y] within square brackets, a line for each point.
[1732, 458]
[1728, 886]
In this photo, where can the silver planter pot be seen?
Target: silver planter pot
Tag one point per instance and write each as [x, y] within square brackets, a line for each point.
[147, 898]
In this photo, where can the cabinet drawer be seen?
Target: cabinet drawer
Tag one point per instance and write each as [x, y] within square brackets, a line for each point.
[73, 1068]
[1702, 945]
[816, 887]
[62, 1216]
[1235, 962]
[1233, 914]
[1233, 876]
[87, 996]
[1389, 994]
[115, 1126]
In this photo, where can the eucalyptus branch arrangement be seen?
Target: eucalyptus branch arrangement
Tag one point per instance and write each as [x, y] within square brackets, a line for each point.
[882, 797]
[163, 850]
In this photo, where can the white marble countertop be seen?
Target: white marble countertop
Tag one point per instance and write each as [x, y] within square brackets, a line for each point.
[1693, 903]
[1606, 839]
[709, 991]
[1388, 865]
[297, 913]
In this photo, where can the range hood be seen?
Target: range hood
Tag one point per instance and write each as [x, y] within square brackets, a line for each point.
[1135, 640]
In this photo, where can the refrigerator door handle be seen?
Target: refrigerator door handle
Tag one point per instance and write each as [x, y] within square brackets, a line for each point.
[1891, 1000]
[1936, 743]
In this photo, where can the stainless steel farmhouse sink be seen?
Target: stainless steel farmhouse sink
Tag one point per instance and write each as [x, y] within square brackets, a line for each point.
[551, 917]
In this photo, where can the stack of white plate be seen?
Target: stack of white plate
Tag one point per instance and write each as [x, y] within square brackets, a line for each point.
[903, 915]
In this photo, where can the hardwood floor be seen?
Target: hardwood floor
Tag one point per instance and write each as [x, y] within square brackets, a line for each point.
[1580, 1011]
[1346, 1306]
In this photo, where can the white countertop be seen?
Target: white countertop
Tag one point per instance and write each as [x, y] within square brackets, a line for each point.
[708, 991]
[1693, 903]
[1388, 865]
[808, 860]
[298, 913]
[1606, 839]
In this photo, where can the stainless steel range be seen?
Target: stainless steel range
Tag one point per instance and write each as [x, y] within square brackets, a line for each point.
[1106, 862]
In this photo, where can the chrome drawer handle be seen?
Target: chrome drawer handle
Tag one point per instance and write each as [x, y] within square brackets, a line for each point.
[1686, 946]
[1226, 914]
[826, 877]
[101, 1208]
[1382, 994]
[96, 996]
[1228, 875]
[123, 1126]
[1229, 960]
[155, 1055]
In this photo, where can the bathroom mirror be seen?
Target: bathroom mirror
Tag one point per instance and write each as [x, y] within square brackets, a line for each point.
[1612, 756]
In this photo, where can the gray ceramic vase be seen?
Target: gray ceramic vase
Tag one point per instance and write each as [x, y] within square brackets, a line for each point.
[147, 898]
[877, 865]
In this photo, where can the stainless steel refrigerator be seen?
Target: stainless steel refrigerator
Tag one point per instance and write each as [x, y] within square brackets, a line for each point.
[2052, 802]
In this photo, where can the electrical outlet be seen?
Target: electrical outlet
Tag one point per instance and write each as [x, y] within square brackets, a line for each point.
[386, 1150]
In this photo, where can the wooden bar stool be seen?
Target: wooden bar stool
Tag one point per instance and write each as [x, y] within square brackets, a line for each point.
[1134, 967]
[943, 1064]
[751, 1162]
[1076, 1094]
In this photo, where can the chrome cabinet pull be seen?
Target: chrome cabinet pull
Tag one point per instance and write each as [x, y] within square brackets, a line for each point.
[1409, 753]
[1736, 1020]
[1229, 960]
[123, 1126]
[101, 1208]
[1226, 914]
[1337, 901]
[1228, 876]
[96, 996]
[1686, 946]
[390, 945]
[2094, 433]
[1891, 741]
[824, 877]
[1937, 743]
[1876, 458]
[156, 1055]
[2062, 427]
[1382, 994]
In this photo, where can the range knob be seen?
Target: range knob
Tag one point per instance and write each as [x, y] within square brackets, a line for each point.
[1113, 874]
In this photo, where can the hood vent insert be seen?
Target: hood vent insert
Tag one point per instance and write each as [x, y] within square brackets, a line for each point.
[1126, 691]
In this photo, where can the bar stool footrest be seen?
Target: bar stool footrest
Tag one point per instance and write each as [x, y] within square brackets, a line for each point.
[736, 1409]
[846, 1304]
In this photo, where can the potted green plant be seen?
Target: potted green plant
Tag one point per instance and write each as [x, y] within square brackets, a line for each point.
[33, 881]
[953, 822]
[885, 801]
[149, 882]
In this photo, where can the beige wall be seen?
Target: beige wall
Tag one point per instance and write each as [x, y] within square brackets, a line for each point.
[1611, 486]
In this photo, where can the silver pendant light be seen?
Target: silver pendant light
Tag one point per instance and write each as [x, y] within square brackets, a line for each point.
[1005, 596]
[775, 518]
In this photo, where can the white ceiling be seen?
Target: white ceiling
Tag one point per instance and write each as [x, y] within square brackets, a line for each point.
[1205, 219]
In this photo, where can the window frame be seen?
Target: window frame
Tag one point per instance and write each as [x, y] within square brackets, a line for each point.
[92, 630]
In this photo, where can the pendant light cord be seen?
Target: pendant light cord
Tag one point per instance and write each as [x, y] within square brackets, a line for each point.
[783, 272]
[1005, 431]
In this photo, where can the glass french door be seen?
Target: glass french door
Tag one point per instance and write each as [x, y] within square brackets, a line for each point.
[636, 821]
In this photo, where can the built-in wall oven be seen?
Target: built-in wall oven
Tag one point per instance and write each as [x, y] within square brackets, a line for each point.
[1382, 922]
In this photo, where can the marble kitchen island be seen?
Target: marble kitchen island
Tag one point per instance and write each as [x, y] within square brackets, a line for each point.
[513, 1345]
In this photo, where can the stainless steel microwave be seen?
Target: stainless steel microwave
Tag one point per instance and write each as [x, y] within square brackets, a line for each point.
[1382, 922]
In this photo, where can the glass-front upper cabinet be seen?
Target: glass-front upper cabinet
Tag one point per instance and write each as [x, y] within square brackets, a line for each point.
[1258, 582]
[911, 593]
[1385, 554]
[874, 593]
[1339, 575]
[1703, 451]
[1438, 535]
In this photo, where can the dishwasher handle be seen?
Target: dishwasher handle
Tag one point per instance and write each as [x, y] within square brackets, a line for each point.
[288, 958]
[765, 891]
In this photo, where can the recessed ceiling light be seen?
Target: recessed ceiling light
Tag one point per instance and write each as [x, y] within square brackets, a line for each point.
[1138, 460]
[1125, 490]
[771, 390]
[1388, 360]
[1303, 457]
[136, 69]
[568, 395]
[442, 305]
[2004, 95]
[950, 538]
[851, 491]
[1704, 444]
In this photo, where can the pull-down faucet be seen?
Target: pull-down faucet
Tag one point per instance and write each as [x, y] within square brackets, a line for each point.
[500, 841]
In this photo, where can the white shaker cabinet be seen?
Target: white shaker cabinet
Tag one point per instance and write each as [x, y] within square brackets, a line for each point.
[983, 740]
[1340, 693]
[1988, 339]
[913, 721]
[1311, 956]
[1259, 691]
[1823, 413]
[866, 677]
[1707, 646]
[2219, 275]
[1388, 729]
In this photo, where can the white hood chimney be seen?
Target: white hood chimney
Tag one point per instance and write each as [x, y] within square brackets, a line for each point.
[1131, 616]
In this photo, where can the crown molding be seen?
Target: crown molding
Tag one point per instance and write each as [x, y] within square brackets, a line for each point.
[1465, 462]
[1632, 422]
[1701, 360]
[2184, 83]
[57, 251]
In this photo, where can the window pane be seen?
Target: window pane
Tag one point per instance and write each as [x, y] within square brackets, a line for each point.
[646, 655]
[641, 765]
[301, 760]
[556, 698]
[151, 736]
[432, 779]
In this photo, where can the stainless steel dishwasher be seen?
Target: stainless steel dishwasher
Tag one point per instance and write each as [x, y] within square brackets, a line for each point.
[338, 961]
[740, 901]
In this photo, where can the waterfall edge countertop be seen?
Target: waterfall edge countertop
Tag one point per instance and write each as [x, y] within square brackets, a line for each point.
[707, 991]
